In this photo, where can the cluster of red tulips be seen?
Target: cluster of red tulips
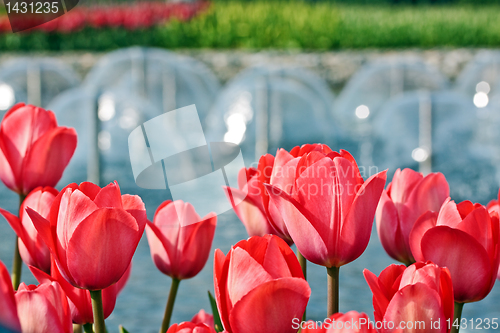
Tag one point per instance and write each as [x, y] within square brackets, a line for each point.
[134, 16]
[79, 242]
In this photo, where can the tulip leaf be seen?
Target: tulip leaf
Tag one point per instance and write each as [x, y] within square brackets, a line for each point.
[215, 313]
[122, 329]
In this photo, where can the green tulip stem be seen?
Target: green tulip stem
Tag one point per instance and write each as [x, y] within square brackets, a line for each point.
[96, 296]
[333, 290]
[457, 316]
[170, 305]
[17, 262]
[303, 265]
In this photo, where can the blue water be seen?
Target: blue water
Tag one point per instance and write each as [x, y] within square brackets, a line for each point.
[141, 305]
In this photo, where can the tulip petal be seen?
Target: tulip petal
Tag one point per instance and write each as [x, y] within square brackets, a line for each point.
[384, 287]
[478, 224]
[221, 266]
[467, 260]
[89, 189]
[44, 229]
[429, 194]
[298, 222]
[14, 223]
[134, 205]
[195, 241]
[403, 184]
[7, 175]
[157, 248]
[255, 313]
[249, 213]
[389, 230]
[415, 305]
[425, 222]
[108, 237]
[8, 315]
[448, 214]
[274, 261]
[358, 223]
[74, 208]
[51, 152]
[109, 197]
[244, 275]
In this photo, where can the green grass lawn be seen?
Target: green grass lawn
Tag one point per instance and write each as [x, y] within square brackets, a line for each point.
[297, 25]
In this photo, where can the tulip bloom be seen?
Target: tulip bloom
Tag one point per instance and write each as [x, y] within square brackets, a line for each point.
[408, 196]
[494, 206]
[79, 299]
[34, 151]
[465, 239]
[43, 308]
[256, 211]
[400, 293]
[180, 245]
[189, 327]
[351, 322]
[259, 286]
[8, 315]
[329, 213]
[32, 249]
[92, 233]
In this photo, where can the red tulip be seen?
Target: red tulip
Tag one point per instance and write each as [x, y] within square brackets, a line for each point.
[34, 151]
[43, 308]
[259, 286]
[494, 206]
[408, 196]
[8, 313]
[256, 211]
[421, 294]
[329, 213]
[180, 245]
[351, 322]
[32, 248]
[92, 233]
[189, 327]
[203, 318]
[465, 239]
[79, 299]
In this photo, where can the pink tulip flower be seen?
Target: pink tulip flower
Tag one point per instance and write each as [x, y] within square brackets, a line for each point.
[180, 245]
[464, 238]
[256, 211]
[408, 196]
[32, 248]
[34, 151]
[259, 286]
[43, 308]
[330, 210]
[421, 294]
[92, 233]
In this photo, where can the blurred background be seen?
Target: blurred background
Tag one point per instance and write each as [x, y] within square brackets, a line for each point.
[397, 83]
